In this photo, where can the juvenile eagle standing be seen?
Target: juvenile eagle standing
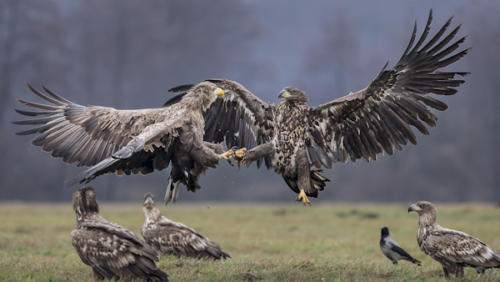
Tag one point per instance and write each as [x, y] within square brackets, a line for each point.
[294, 138]
[392, 250]
[170, 237]
[453, 249]
[128, 141]
[111, 250]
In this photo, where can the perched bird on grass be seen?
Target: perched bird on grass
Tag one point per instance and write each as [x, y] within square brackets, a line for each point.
[170, 237]
[392, 250]
[453, 249]
[112, 251]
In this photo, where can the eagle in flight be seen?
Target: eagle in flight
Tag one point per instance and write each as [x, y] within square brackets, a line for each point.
[128, 141]
[298, 141]
[453, 249]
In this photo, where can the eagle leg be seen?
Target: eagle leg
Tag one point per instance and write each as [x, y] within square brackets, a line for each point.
[239, 156]
[226, 154]
[302, 197]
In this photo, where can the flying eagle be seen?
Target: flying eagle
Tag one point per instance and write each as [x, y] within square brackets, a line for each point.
[392, 250]
[110, 249]
[170, 237]
[453, 249]
[297, 140]
[128, 141]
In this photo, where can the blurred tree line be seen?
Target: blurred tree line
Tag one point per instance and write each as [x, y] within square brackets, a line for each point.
[126, 54]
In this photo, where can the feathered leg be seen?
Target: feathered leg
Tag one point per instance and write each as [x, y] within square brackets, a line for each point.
[303, 173]
[256, 153]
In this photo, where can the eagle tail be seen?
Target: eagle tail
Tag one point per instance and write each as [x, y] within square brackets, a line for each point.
[318, 183]
[224, 255]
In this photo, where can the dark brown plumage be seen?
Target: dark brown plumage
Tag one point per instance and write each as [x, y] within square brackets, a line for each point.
[170, 237]
[297, 140]
[112, 251]
[453, 249]
[128, 141]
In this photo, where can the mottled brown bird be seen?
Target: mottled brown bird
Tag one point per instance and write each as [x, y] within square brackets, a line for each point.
[453, 249]
[297, 140]
[128, 141]
[112, 251]
[175, 238]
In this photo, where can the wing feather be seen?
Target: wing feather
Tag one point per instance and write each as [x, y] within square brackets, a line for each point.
[85, 135]
[378, 118]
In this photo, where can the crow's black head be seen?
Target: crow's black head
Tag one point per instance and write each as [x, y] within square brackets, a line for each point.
[385, 231]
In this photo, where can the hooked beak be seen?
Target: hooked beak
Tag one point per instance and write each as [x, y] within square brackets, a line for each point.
[414, 207]
[284, 94]
[219, 92]
[148, 202]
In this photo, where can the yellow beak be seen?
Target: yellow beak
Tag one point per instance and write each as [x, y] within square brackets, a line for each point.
[219, 92]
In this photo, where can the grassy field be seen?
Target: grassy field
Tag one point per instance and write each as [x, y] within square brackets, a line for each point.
[274, 242]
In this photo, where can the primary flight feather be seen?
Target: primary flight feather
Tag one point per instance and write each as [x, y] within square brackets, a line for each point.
[298, 141]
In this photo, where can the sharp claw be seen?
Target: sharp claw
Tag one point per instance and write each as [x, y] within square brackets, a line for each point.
[302, 197]
[239, 156]
[226, 155]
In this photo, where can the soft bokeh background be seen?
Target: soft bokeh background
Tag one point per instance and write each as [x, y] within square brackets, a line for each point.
[126, 54]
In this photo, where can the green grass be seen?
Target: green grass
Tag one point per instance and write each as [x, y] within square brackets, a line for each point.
[275, 242]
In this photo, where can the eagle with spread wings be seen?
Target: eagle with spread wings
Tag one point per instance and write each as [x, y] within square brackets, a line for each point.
[298, 141]
[128, 141]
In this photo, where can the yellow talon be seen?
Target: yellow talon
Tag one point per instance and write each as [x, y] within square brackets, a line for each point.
[303, 197]
[240, 153]
[226, 155]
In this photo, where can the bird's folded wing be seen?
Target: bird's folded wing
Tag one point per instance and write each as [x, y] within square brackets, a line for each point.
[85, 135]
[459, 247]
[122, 233]
[377, 119]
[108, 253]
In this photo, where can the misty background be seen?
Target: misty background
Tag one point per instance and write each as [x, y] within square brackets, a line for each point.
[126, 54]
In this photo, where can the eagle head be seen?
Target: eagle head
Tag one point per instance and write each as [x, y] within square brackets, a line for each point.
[149, 202]
[292, 94]
[426, 210]
[84, 201]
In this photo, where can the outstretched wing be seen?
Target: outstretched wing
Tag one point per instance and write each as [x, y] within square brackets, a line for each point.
[240, 118]
[85, 135]
[377, 119]
[459, 247]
